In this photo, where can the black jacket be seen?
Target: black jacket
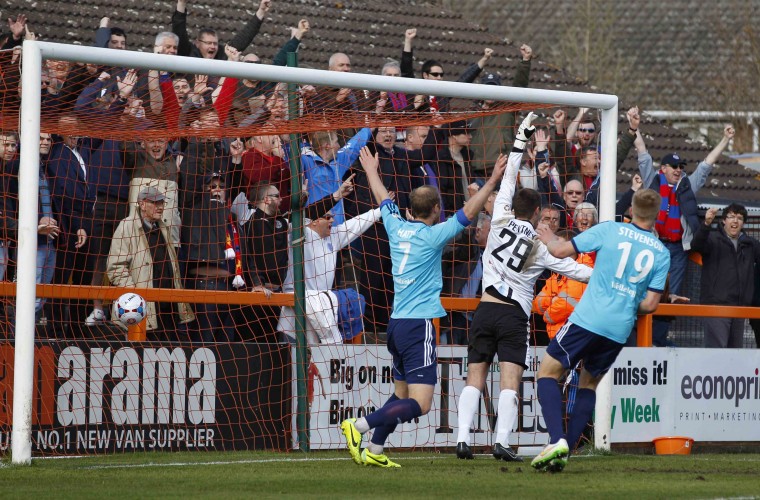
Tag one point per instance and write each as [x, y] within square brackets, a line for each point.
[240, 41]
[728, 274]
[266, 248]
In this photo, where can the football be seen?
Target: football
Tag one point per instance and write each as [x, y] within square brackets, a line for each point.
[129, 309]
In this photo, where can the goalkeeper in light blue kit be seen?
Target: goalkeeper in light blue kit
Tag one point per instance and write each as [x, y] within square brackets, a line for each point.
[628, 279]
[416, 249]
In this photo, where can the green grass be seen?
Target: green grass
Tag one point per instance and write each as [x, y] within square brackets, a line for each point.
[334, 475]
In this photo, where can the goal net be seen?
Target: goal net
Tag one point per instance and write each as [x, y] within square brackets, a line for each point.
[229, 197]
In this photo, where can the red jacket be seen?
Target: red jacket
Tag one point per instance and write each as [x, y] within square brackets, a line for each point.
[258, 168]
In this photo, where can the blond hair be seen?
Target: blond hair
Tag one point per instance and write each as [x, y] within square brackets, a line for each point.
[646, 204]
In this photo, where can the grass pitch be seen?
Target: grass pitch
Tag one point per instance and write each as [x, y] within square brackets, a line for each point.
[334, 475]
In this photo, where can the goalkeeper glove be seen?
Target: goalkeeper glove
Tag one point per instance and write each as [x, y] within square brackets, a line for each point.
[525, 131]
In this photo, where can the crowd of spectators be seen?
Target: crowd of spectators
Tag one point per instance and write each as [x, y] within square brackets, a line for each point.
[207, 210]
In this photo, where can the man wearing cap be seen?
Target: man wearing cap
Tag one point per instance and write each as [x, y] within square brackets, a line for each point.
[143, 254]
[493, 135]
[211, 248]
[678, 221]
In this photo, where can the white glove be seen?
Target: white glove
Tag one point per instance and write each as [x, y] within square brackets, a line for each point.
[238, 282]
[229, 254]
[525, 131]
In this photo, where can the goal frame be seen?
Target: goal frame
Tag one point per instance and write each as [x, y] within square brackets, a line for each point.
[36, 52]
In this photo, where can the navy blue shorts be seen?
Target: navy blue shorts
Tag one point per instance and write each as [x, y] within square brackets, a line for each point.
[411, 342]
[574, 343]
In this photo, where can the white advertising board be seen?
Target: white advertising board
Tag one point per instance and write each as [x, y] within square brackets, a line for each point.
[357, 379]
[705, 394]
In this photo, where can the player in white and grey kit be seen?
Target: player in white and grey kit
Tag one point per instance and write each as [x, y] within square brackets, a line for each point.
[513, 261]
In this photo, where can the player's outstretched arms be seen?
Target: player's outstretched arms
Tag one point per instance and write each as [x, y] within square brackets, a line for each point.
[371, 165]
[475, 204]
[650, 302]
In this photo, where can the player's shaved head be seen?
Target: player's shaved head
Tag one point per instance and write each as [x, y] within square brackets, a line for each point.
[423, 200]
[646, 204]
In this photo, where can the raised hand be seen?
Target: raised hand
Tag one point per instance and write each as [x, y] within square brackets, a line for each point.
[264, 7]
[104, 22]
[127, 84]
[633, 118]
[303, 28]
[370, 162]
[17, 26]
[710, 215]
[345, 189]
[201, 84]
[410, 34]
[636, 182]
[487, 53]
[542, 140]
[232, 53]
[525, 131]
[729, 132]
[526, 52]
[498, 170]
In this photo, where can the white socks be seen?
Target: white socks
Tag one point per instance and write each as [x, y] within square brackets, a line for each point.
[361, 425]
[469, 402]
[507, 415]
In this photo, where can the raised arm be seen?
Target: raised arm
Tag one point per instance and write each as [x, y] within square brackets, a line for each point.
[503, 203]
[103, 33]
[179, 28]
[407, 55]
[572, 129]
[476, 203]
[245, 36]
[728, 134]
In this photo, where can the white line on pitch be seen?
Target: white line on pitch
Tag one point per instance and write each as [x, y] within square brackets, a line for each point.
[250, 461]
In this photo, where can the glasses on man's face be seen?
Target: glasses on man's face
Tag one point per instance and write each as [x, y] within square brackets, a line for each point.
[574, 193]
[677, 167]
[733, 216]
[587, 130]
[437, 74]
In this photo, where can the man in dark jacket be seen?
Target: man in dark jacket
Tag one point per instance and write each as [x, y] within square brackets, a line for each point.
[729, 258]
[207, 42]
[73, 200]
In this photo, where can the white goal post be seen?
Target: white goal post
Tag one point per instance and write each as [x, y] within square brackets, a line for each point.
[34, 53]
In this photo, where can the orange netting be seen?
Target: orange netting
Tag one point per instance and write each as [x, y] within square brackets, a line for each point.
[180, 185]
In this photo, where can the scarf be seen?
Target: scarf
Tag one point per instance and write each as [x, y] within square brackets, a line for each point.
[669, 219]
[232, 251]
